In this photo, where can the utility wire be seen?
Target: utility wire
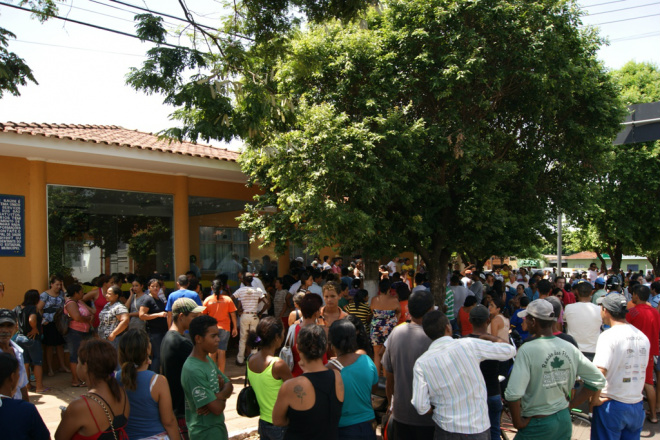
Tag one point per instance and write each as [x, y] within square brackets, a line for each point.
[174, 17]
[127, 11]
[81, 48]
[623, 9]
[623, 19]
[97, 27]
[602, 4]
[635, 37]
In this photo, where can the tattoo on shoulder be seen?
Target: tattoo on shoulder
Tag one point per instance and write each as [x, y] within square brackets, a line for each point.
[298, 390]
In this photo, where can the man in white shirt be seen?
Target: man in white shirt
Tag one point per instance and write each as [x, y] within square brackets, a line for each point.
[447, 379]
[250, 298]
[256, 282]
[460, 293]
[391, 266]
[622, 354]
[583, 320]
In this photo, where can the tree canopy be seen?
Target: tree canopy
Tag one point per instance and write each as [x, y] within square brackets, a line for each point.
[620, 217]
[431, 125]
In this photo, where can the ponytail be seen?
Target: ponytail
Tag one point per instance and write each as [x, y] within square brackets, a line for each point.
[133, 352]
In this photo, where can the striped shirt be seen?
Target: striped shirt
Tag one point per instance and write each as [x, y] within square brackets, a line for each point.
[249, 298]
[448, 378]
[449, 301]
[362, 311]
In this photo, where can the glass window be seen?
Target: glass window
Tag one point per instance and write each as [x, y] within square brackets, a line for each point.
[633, 267]
[93, 231]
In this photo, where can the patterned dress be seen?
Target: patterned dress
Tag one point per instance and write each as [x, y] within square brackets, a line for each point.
[382, 324]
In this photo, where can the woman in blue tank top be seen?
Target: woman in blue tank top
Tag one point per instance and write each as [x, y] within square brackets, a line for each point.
[148, 392]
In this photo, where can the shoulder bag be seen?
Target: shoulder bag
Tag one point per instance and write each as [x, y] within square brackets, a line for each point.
[247, 404]
[285, 353]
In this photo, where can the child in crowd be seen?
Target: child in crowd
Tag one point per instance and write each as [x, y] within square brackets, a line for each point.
[517, 321]
[205, 387]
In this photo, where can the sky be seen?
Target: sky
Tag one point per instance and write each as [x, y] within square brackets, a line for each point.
[82, 71]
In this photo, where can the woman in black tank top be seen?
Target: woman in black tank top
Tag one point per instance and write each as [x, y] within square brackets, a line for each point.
[310, 405]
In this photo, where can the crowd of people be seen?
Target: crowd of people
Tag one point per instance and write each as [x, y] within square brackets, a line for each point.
[315, 344]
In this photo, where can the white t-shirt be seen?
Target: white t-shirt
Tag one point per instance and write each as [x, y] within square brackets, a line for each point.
[583, 322]
[591, 276]
[623, 351]
[391, 267]
[510, 285]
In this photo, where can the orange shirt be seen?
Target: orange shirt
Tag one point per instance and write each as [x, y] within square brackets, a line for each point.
[220, 310]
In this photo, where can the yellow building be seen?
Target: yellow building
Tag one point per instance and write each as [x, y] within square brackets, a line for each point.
[102, 199]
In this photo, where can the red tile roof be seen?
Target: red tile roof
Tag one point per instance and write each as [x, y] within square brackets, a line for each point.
[119, 136]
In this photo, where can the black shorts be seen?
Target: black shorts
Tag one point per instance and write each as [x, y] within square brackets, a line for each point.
[52, 337]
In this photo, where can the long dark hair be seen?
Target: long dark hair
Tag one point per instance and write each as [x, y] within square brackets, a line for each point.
[31, 298]
[101, 359]
[362, 335]
[133, 351]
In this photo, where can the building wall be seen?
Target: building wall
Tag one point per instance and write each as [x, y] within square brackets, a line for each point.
[20, 176]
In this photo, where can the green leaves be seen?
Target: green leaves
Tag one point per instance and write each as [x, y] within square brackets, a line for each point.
[13, 70]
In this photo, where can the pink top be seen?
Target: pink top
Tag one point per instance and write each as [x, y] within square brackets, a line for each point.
[75, 325]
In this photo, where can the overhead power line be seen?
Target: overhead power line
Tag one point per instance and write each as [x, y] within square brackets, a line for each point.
[174, 17]
[602, 4]
[624, 19]
[623, 9]
[114, 31]
[81, 48]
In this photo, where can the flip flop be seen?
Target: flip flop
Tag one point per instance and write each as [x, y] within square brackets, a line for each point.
[78, 385]
[45, 390]
[648, 419]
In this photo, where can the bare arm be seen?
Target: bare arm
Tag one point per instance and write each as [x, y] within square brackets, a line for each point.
[74, 313]
[72, 421]
[123, 325]
[148, 317]
[92, 295]
[518, 420]
[281, 371]
[389, 386]
[218, 405]
[281, 406]
[34, 326]
[164, 399]
[234, 330]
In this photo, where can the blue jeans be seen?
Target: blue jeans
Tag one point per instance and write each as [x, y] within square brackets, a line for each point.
[268, 431]
[73, 340]
[616, 420]
[359, 431]
[494, 414]
[155, 339]
[32, 351]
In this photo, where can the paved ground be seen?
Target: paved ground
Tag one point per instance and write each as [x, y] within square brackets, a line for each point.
[62, 394]
[239, 427]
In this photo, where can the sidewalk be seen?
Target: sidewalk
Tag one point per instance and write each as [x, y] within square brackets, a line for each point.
[61, 394]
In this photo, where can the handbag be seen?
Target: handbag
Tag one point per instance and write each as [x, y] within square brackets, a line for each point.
[247, 404]
[62, 320]
[286, 354]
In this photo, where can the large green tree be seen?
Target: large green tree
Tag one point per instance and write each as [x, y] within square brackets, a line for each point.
[621, 216]
[436, 126]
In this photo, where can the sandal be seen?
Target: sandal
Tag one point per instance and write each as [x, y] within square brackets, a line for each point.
[45, 390]
[78, 385]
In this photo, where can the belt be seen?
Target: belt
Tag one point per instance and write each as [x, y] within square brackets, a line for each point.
[249, 313]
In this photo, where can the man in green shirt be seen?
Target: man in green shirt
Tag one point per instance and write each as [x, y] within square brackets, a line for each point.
[543, 375]
[205, 387]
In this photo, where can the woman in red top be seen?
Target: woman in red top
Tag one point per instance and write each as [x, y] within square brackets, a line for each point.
[464, 324]
[222, 308]
[97, 297]
[310, 306]
[102, 413]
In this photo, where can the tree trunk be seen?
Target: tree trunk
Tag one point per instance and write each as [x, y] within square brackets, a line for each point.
[654, 259]
[616, 254]
[603, 263]
[437, 271]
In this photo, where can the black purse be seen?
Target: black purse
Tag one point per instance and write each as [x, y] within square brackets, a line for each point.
[247, 404]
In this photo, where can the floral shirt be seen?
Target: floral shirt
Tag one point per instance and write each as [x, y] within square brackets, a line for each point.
[109, 318]
[51, 304]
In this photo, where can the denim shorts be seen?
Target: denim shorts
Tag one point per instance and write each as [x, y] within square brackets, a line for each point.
[268, 431]
[224, 339]
[32, 351]
[73, 340]
[359, 431]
